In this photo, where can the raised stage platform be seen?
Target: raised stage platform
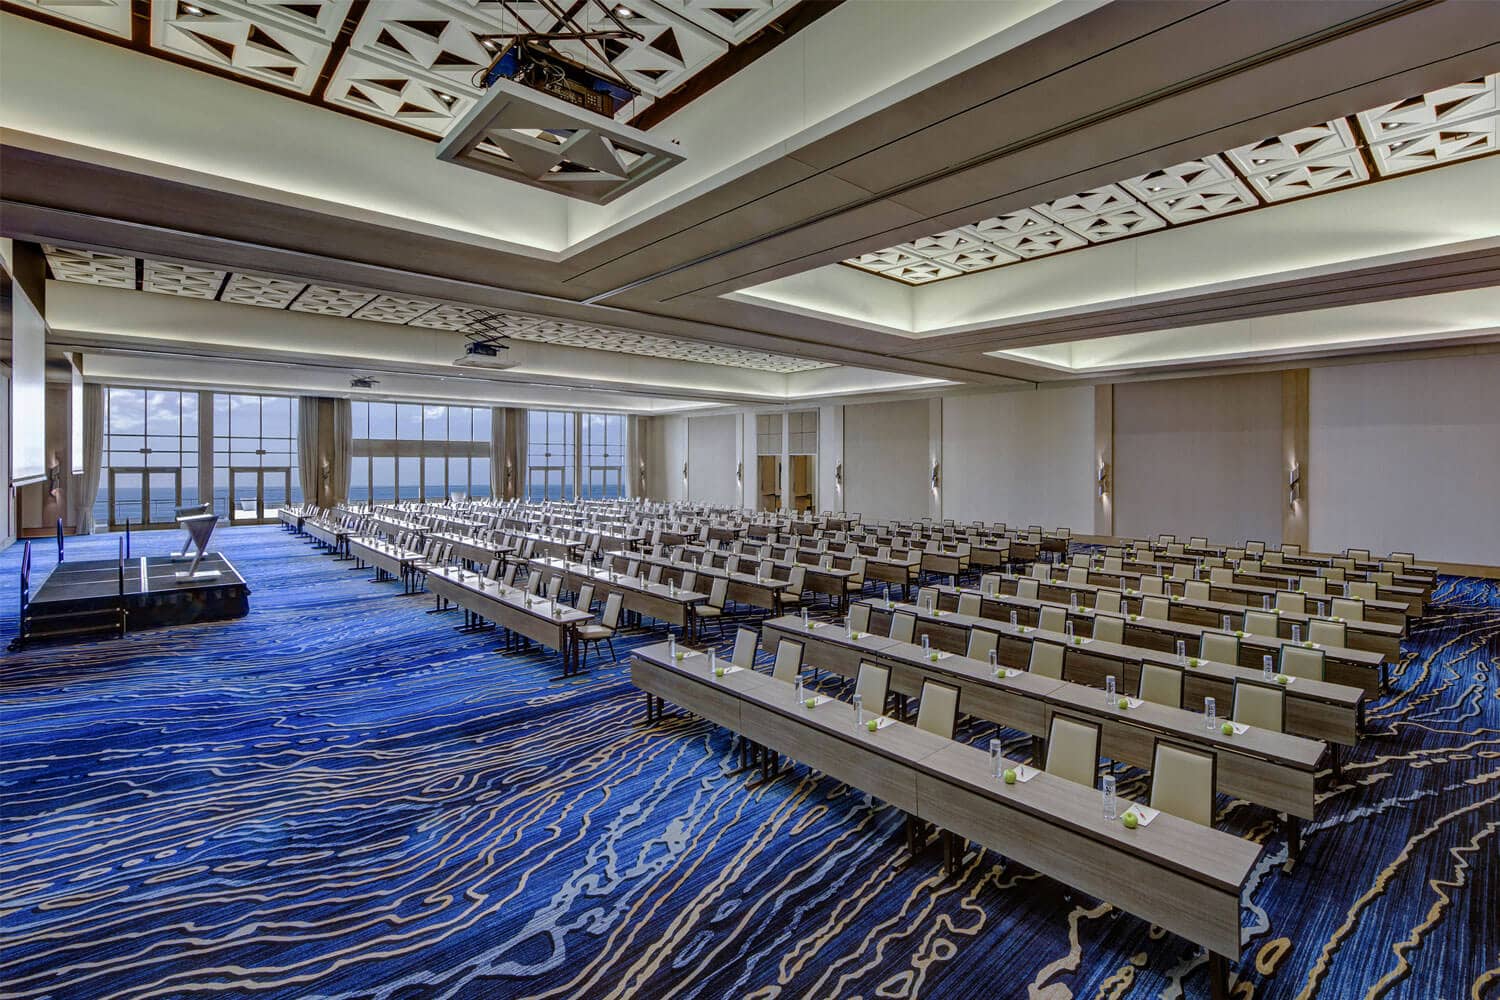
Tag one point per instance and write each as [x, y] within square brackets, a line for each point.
[80, 593]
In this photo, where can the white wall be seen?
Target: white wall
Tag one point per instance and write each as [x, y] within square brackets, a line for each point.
[1199, 457]
[7, 512]
[886, 470]
[1405, 456]
[712, 447]
[666, 450]
[1020, 457]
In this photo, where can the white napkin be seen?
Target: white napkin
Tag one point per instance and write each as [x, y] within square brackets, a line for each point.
[881, 722]
[1238, 728]
[730, 669]
[1143, 814]
[1132, 702]
[1024, 773]
[818, 699]
[1079, 640]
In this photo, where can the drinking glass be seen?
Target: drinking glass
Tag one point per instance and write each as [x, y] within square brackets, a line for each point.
[859, 711]
[1107, 791]
[1296, 633]
[1267, 669]
[1109, 690]
[1181, 649]
[997, 757]
[1210, 714]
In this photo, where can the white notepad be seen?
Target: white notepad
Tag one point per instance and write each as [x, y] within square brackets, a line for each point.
[1143, 814]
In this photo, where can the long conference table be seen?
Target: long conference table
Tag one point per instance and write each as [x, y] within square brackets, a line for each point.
[662, 601]
[1176, 874]
[513, 610]
[1271, 769]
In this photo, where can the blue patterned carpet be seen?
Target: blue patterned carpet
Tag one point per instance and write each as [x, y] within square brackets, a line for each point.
[341, 796]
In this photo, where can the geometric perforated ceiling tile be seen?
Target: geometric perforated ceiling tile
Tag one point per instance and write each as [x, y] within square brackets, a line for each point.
[112, 16]
[1444, 126]
[92, 267]
[412, 63]
[278, 292]
[283, 44]
[1452, 123]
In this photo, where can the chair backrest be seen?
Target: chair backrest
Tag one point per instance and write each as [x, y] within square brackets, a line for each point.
[1073, 749]
[1259, 704]
[1362, 555]
[765, 568]
[633, 568]
[1041, 571]
[1221, 647]
[1153, 585]
[1113, 564]
[1158, 608]
[534, 584]
[859, 618]
[1343, 562]
[585, 599]
[689, 579]
[1107, 601]
[1299, 661]
[706, 559]
[982, 642]
[1222, 576]
[903, 626]
[1262, 623]
[746, 642]
[970, 603]
[1291, 549]
[797, 578]
[1109, 628]
[719, 592]
[1314, 586]
[1182, 781]
[1182, 571]
[1053, 619]
[1334, 573]
[871, 684]
[857, 569]
[1046, 660]
[1195, 590]
[1327, 632]
[990, 583]
[509, 576]
[927, 597]
[1404, 558]
[1349, 608]
[1382, 578]
[1160, 684]
[654, 576]
[611, 617]
[1029, 588]
[1198, 541]
[1078, 574]
[788, 661]
[938, 712]
[1079, 559]
[1291, 602]
[1364, 590]
[1250, 566]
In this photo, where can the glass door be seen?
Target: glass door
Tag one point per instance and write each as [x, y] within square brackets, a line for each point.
[545, 482]
[603, 482]
[255, 494]
[147, 498]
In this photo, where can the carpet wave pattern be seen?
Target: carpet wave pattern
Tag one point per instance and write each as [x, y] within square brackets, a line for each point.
[341, 795]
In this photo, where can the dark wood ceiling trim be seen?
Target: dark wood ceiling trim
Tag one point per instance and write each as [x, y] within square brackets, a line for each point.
[731, 62]
[338, 48]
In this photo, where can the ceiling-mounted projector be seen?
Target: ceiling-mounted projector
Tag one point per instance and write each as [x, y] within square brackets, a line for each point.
[488, 354]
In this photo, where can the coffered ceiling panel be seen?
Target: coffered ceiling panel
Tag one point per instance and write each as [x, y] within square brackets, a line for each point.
[416, 64]
[198, 281]
[281, 44]
[1441, 126]
[112, 16]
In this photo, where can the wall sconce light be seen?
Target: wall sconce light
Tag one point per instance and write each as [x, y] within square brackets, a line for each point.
[684, 472]
[1294, 486]
[838, 476]
[1103, 478]
[936, 478]
[739, 474]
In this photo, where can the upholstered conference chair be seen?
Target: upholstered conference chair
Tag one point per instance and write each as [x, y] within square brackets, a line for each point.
[1182, 781]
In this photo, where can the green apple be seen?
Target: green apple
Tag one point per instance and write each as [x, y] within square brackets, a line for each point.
[1227, 729]
[1010, 776]
[933, 656]
[1078, 640]
[681, 656]
[810, 702]
[872, 725]
[1194, 662]
[1002, 673]
[1129, 820]
[718, 671]
[1282, 679]
[1123, 703]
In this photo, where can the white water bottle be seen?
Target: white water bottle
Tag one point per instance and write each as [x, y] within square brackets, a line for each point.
[1267, 671]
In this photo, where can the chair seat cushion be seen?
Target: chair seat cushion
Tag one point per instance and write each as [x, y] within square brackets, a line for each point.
[592, 632]
[707, 611]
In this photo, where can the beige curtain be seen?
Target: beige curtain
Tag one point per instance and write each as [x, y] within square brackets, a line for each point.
[309, 462]
[85, 487]
[343, 452]
[507, 451]
[635, 475]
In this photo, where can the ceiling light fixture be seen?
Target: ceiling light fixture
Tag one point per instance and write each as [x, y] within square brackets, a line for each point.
[192, 11]
[624, 11]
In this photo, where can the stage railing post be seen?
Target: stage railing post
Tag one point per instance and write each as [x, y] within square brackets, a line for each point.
[59, 540]
[127, 540]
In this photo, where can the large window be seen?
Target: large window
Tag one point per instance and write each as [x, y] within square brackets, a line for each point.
[255, 455]
[603, 462]
[419, 452]
[551, 454]
[150, 456]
